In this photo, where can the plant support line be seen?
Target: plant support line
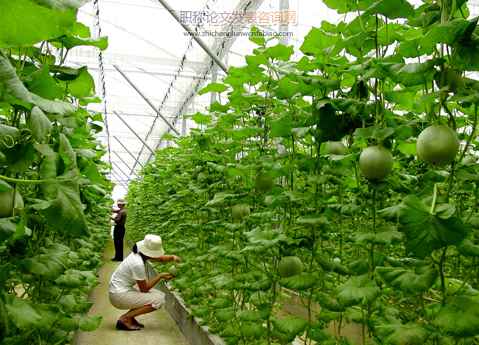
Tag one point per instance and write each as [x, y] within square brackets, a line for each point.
[131, 129]
[128, 177]
[131, 154]
[198, 40]
[147, 101]
[132, 171]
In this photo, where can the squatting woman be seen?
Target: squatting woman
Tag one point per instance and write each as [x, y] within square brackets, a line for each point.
[136, 270]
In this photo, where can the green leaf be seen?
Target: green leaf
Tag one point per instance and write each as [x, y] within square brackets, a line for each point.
[225, 314]
[426, 232]
[266, 238]
[221, 281]
[290, 325]
[63, 5]
[71, 279]
[407, 281]
[89, 323]
[9, 78]
[253, 315]
[328, 303]
[451, 33]
[55, 107]
[459, 318]
[27, 23]
[286, 89]
[19, 158]
[200, 118]
[213, 87]
[280, 52]
[81, 85]
[319, 335]
[42, 84]
[330, 265]
[317, 220]
[49, 314]
[281, 128]
[51, 266]
[39, 124]
[20, 313]
[7, 229]
[257, 37]
[356, 290]
[463, 174]
[317, 40]
[80, 36]
[299, 282]
[398, 334]
[251, 330]
[468, 248]
[60, 186]
[392, 9]
[380, 235]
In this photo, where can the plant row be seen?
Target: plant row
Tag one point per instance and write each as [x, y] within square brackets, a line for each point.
[348, 177]
[53, 186]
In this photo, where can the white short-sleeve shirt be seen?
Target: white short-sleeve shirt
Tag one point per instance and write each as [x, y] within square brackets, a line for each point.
[130, 270]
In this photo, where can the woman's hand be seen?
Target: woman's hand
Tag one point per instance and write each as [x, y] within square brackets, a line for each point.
[167, 276]
[176, 259]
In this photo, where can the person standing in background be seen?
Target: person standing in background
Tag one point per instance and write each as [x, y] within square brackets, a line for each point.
[119, 230]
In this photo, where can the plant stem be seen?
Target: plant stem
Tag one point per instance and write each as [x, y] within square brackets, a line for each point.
[434, 199]
[441, 272]
[15, 180]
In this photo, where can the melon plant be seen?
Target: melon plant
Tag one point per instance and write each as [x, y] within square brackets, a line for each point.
[240, 211]
[9, 201]
[438, 145]
[376, 162]
[174, 271]
[448, 77]
[290, 266]
[263, 182]
[362, 244]
[335, 148]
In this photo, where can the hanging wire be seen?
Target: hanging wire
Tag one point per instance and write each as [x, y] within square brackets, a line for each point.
[96, 15]
[175, 77]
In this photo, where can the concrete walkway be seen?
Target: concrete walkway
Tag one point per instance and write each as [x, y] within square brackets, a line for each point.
[160, 328]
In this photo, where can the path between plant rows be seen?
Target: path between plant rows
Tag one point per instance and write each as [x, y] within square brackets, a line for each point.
[160, 328]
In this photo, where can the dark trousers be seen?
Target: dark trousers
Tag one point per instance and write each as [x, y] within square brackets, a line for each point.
[118, 236]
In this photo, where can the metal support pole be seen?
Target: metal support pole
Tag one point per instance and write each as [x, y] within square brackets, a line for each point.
[131, 129]
[283, 27]
[198, 40]
[147, 100]
[126, 164]
[131, 154]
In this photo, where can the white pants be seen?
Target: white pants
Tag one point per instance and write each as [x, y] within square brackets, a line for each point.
[134, 299]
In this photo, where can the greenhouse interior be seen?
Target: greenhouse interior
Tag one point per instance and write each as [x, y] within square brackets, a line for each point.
[309, 167]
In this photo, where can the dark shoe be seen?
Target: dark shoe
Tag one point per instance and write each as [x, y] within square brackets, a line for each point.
[115, 259]
[137, 323]
[121, 325]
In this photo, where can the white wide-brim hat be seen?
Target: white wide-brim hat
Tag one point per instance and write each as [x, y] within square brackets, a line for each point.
[121, 201]
[151, 246]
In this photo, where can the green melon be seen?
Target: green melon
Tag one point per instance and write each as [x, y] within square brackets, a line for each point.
[290, 266]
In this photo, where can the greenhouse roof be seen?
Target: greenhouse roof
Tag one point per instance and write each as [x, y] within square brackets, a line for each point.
[149, 76]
